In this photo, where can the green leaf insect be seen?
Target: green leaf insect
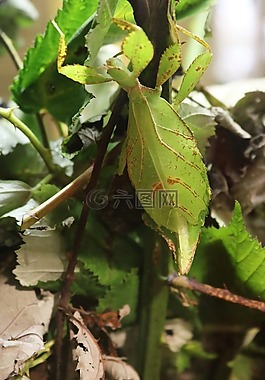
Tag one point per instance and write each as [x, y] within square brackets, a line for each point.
[160, 151]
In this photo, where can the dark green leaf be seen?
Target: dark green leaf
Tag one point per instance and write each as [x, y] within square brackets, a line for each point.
[240, 260]
[39, 85]
[122, 293]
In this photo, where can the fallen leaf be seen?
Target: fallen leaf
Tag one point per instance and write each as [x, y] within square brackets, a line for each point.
[117, 369]
[42, 258]
[23, 321]
[87, 352]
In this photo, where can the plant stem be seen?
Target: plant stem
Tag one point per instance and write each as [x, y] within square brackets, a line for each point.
[73, 256]
[8, 114]
[11, 50]
[152, 16]
[176, 281]
[154, 301]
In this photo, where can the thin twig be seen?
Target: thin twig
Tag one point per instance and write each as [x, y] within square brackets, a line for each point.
[176, 281]
[69, 277]
[50, 204]
[11, 50]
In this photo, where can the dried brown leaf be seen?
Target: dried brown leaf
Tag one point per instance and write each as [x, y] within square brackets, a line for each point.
[87, 353]
[23, 321]
[117, 369]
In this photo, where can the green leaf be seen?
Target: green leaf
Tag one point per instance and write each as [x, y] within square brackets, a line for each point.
[86, 284]
[95, 38]
[186, 8]
[169, 64]
[245, 254]
[13, 194]
[163, 159]
[192, 76]
[240, 262]
[109, 262]
[38, 84]
[123, 293]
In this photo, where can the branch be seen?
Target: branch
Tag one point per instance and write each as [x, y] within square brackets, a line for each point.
[8, 114]
[73, 256]
[176, 281]
[50, 204]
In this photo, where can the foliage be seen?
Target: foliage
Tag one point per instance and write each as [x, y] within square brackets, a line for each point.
[103, 213]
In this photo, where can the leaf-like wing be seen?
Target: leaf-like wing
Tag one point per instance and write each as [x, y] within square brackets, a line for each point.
[164, 161]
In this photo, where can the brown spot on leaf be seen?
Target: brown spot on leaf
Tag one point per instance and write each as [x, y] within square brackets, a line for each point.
[157, 186]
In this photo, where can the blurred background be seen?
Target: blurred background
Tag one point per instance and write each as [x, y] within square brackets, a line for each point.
[236, 31]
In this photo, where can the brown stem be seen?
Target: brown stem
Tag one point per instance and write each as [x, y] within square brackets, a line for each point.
[176, 281]
[69, 277]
